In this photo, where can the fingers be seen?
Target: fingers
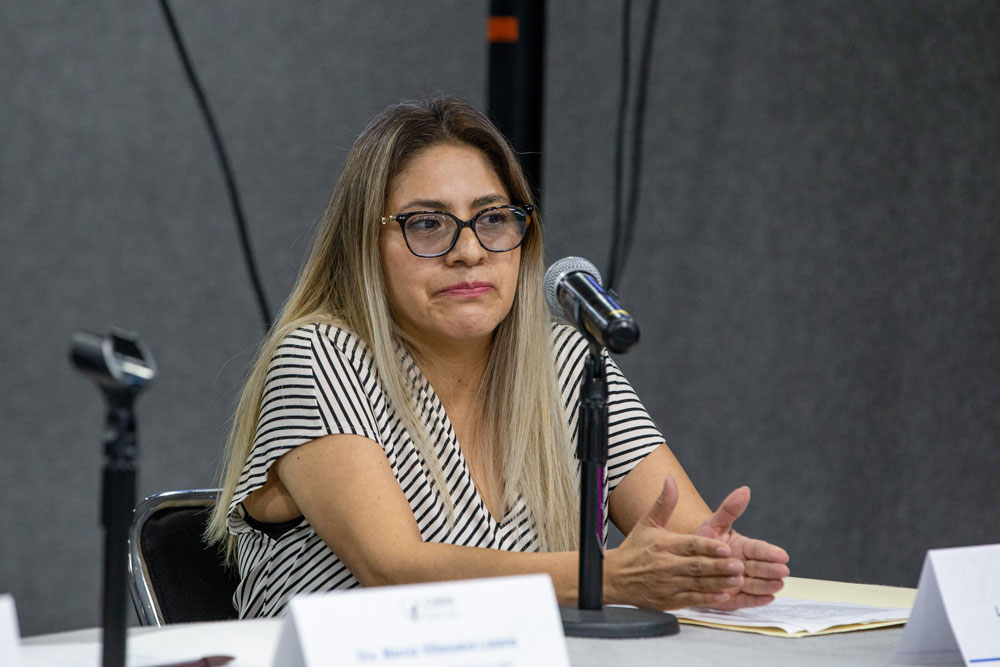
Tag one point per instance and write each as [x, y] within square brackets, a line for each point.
[695, 599]
[730, 510]
[702, 591]
[705, 573]
[694, 545]
[656, 569]
[759, 550]
[714, 567]
[721, 600]
[765, 566]
[711, 569]
[659, 514]
[756, 586]
[741, 601]
[763, 570]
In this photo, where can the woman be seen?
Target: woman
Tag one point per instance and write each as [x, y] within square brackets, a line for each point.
[414, 404]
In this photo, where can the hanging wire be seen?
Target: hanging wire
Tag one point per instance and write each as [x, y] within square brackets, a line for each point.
[638, 126]
[227, 172]
[624, 222]
[611, 275]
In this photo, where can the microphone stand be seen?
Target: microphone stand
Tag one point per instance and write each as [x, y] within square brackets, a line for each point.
[590, 618]
[122, 366]
[117, 501]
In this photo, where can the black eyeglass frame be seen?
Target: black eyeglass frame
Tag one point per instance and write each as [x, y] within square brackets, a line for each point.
[401, 218]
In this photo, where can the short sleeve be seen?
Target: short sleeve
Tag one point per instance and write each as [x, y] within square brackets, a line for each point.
[319, 383]
[632, 434]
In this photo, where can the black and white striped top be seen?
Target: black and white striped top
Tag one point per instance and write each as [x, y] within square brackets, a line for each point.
[321, 381]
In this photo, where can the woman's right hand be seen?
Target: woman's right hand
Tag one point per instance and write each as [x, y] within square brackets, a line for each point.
[656, 568]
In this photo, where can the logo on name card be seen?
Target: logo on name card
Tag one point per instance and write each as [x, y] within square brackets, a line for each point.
[438, 608]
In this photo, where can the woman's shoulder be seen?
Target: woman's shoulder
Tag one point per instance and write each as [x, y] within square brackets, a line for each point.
[561, 330]
[567, 342]
[311, 338]
[570, 350]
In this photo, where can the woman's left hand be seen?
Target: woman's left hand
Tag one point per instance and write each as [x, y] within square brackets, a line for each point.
[765, 565]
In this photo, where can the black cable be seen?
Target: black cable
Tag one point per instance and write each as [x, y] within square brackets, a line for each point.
[612, 273]
[625, 222]
[227, 172]
[638, 124]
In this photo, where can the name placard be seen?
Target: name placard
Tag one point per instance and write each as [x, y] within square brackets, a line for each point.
[957, 610]
[499, 621]
[10, 635]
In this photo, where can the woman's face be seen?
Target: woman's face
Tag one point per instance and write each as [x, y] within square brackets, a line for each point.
[461, 296]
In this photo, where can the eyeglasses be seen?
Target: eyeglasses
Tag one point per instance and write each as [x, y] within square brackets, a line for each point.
[434, 233]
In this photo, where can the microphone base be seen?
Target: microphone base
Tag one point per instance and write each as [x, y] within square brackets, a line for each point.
[617, 622]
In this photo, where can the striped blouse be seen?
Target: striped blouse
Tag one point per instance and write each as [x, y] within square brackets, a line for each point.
[321, 381]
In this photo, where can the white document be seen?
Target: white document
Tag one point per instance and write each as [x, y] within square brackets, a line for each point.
[10, 635]
[499, 622]
[793, 615]
[957, 611]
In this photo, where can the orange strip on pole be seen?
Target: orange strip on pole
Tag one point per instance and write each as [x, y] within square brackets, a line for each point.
[502, 29]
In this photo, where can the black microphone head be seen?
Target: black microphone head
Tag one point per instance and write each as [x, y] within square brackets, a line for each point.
[561, 268]
[621, 335]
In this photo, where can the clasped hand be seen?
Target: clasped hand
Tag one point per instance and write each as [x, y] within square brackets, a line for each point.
[714, 566]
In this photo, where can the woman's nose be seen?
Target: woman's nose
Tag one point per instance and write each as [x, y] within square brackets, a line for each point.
[467, 248]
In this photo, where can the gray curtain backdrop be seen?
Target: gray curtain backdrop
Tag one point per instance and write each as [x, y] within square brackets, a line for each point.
[814, 267]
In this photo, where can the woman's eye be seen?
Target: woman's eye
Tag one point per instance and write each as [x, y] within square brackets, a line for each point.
[495, 218]
[426, 223]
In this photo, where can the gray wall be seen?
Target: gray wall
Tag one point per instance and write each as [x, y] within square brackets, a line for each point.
[815, 267]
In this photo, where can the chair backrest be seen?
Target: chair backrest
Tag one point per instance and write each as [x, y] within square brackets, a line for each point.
[175, 577]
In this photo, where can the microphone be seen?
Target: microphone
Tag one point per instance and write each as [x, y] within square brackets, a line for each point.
[573, 286]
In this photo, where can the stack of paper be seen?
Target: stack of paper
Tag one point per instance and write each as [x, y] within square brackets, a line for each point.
[813, 607]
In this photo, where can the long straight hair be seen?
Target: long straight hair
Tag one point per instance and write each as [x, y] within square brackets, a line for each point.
[341, 283]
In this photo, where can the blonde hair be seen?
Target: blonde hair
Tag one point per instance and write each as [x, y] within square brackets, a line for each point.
[341, 283]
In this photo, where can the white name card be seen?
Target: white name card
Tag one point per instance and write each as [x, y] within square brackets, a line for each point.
[957, 610]
[10, 635]
[500, 621]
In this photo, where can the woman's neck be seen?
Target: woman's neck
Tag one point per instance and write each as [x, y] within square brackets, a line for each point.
[455, 371]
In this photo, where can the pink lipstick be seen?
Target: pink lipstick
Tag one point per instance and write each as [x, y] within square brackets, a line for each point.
[467, 289]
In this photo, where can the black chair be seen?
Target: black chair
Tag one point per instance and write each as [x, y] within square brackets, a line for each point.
[175, 577]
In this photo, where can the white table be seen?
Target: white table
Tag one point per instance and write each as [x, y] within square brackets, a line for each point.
[252, 642]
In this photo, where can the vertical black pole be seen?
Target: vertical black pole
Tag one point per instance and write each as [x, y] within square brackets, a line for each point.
[516, 35]
[592, 450]
[118, 499]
